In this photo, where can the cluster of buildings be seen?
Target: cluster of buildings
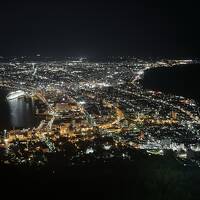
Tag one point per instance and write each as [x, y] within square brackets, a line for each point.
[98, 109]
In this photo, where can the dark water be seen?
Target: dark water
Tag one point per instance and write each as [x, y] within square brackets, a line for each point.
[181, 80]
[16, 113]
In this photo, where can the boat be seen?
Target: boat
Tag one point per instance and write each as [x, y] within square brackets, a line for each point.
[15, 95]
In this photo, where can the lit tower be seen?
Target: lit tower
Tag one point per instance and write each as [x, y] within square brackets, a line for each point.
[5, 135]
[6, 141]
[174, 115]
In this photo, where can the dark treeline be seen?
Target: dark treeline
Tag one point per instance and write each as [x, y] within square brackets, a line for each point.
[148, 177]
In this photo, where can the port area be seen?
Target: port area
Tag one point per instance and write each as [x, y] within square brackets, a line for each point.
[100, 118]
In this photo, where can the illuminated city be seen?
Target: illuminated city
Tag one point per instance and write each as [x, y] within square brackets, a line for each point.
[100, 100]
[96, 110]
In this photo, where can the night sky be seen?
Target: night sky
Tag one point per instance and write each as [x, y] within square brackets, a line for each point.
[100, 28]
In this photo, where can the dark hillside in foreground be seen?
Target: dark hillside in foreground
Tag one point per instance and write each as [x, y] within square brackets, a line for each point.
[148, 177]
[183, 80]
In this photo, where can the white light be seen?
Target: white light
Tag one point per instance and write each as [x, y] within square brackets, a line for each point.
[89, 150]
[82, 102]
[107, 147]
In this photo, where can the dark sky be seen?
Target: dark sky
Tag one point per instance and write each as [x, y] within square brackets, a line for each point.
[100, 28]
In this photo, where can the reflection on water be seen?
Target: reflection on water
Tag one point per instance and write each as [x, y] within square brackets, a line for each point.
[16, 113]
[21, 113]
